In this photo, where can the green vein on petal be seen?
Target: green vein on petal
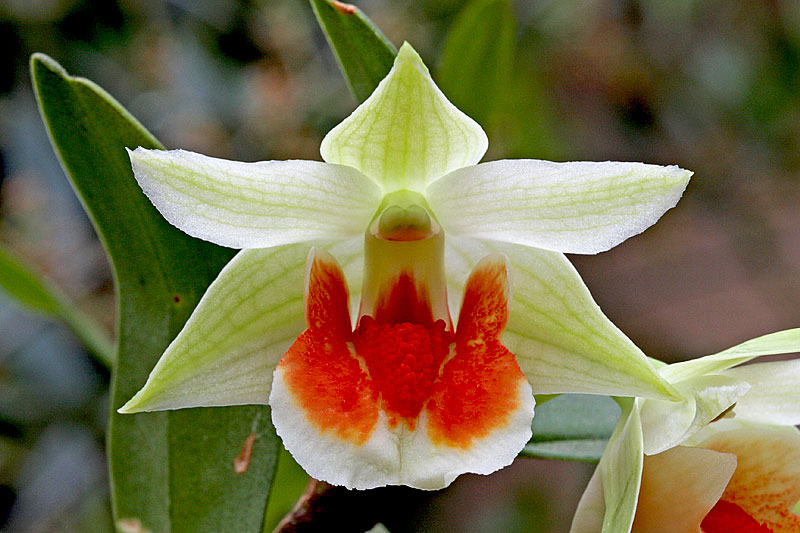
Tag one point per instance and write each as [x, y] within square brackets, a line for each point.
[245, 322]
[255, 205]
[774, 395]
[576, 207]
[562, 340]
[406, 134]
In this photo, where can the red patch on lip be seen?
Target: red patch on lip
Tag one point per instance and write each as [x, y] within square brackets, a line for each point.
[727, 517]
[405, 302]
[403, 360]
[478, 388]
[403, 351]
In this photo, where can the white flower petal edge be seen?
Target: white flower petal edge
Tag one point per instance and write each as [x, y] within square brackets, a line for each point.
[255, 205]
[247, 319]
[392, 457]
[575, 207]
[667, 424]
[563, 341]
[774, 395]
[406, 134]
[430, 466]
[609, 502]
[346, 438]
[780, 342]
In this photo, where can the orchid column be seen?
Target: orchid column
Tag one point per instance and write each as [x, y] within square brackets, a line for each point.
[405, 142]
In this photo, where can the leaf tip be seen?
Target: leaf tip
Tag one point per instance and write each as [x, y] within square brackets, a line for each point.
[40, 61]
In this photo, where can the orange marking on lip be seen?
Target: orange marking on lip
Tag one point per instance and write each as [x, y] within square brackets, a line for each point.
[327, 381]
[326, 297]
[478, 388]
[334, 393]
[403, 350]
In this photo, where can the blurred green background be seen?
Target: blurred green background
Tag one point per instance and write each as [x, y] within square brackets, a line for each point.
[711, 86]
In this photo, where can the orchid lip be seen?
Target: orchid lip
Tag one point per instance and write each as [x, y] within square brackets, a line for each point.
[402, 395]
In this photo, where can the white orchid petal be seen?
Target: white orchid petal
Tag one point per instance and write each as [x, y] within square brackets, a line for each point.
[621, 470]
[576, 207]
[255, 205]
[588, 516]
[780, 342]
[666, 424]
[406, 134]
[774, 395]
[247, 319]
[561, 338]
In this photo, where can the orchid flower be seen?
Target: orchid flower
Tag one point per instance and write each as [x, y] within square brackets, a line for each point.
[659, 472]
[375, 405]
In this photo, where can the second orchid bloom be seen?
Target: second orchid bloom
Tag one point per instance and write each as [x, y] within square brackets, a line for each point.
[381, 387]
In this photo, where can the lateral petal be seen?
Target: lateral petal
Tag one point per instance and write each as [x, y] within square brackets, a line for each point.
[245, 322]
[255, 205]
[780, 342]
[406, 134]
[562, 340]
[576, 207]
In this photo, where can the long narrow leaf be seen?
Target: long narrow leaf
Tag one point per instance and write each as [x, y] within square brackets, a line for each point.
[172, 471]
[477, 58]
[572, 427]
[365, 55]
[37, 294]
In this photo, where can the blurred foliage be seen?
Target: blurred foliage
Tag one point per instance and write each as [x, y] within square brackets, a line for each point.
[713, 86]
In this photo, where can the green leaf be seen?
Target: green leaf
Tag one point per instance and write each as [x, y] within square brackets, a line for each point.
[170, 472]
[21, 282]
[477, 59]
[573, 427]
[290, 483]
[364, 54]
